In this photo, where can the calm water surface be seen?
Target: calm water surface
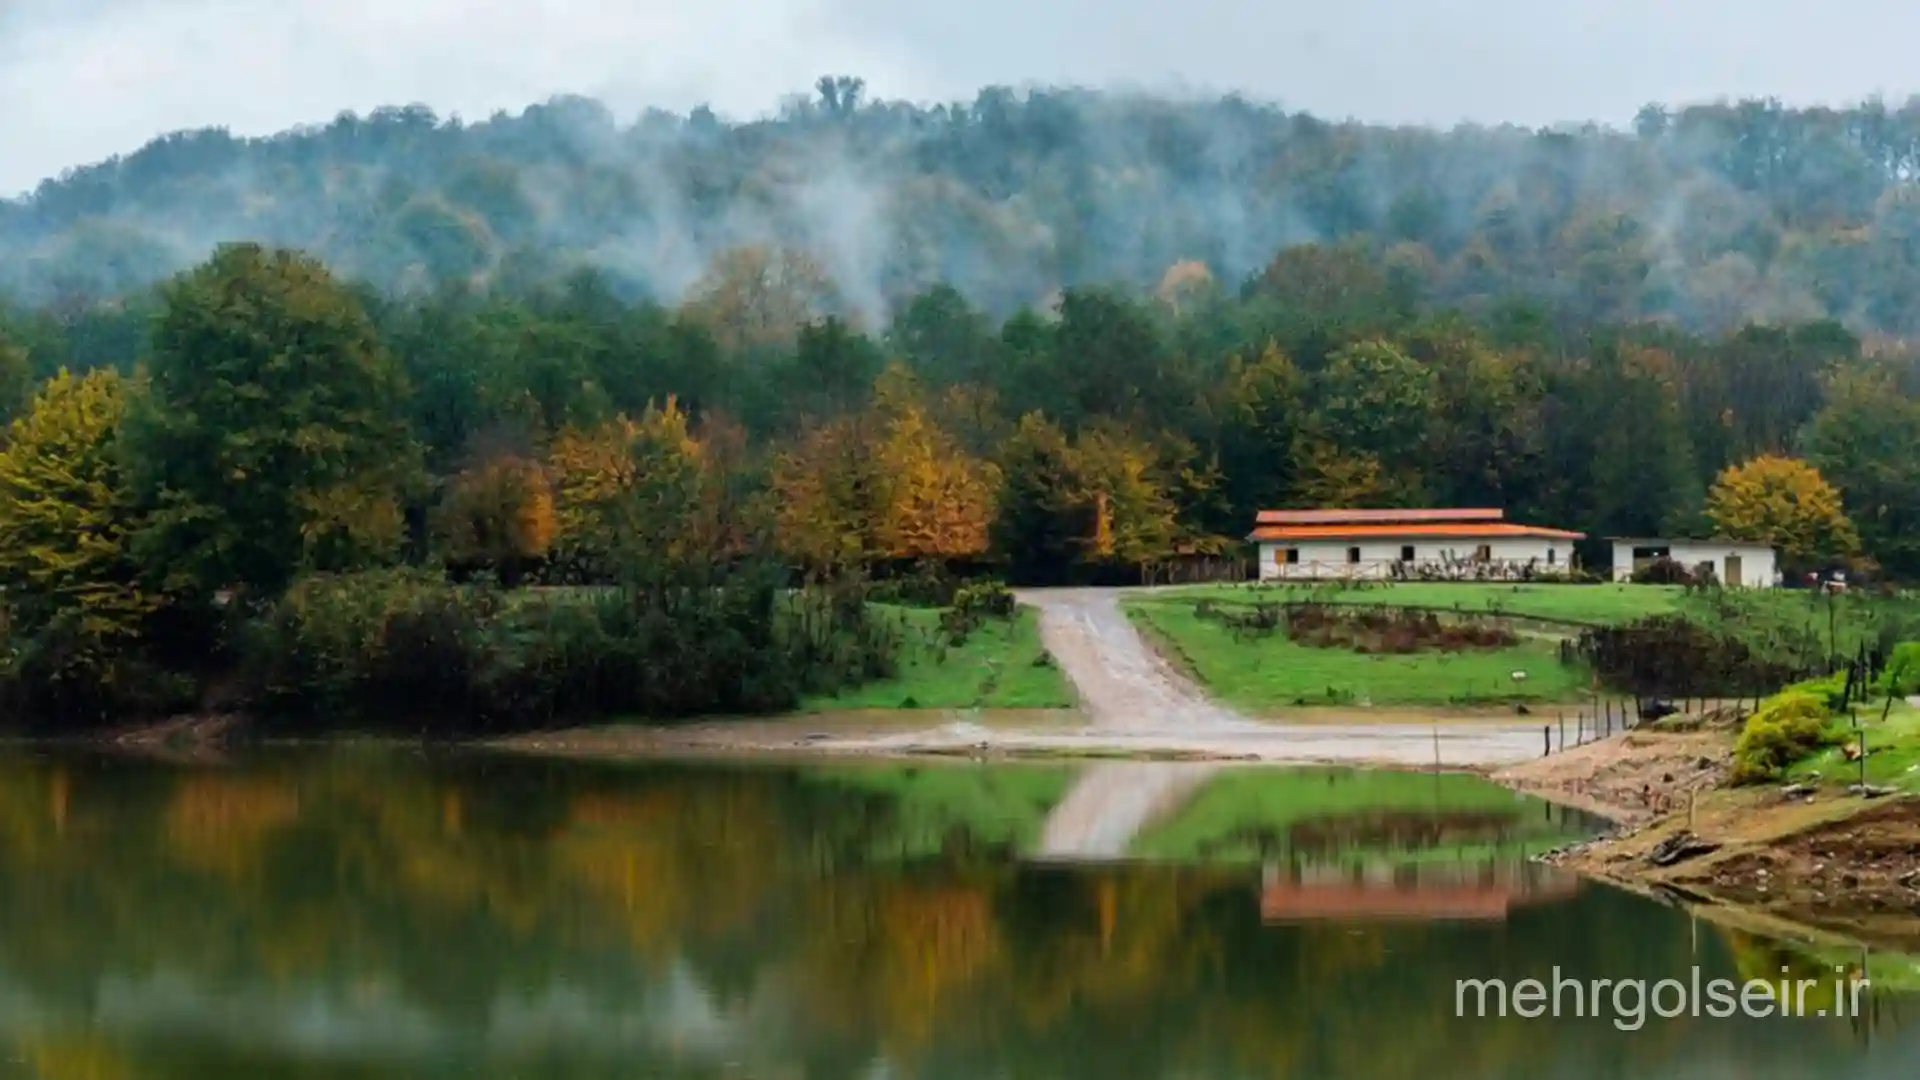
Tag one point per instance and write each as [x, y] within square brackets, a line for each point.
[356, 913]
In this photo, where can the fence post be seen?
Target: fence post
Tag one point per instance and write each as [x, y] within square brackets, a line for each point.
[1563, 730]
[1546, 735]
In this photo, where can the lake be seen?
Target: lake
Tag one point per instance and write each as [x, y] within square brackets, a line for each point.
[370, 912]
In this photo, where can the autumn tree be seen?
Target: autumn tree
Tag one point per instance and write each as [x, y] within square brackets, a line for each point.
[273, 440]
[758, 296]
[888, 483]
[632, 494]
[1784, 502]
[498, 513]
[1185, 285]
[936, 500]
[1119, 483]
[66, 518]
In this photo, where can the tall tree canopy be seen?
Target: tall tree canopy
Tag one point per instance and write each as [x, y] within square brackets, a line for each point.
[274, 438]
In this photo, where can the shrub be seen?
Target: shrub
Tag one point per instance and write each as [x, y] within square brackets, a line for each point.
[1831, 690]
[1787, 727]
[402, 648]
[988, 598]
[973, 605]
[1663, 571]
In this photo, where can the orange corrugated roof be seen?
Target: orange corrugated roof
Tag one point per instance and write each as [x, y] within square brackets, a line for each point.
[1494, 530]
[1374, 517]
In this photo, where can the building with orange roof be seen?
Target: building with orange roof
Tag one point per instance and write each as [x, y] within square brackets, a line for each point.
[1438, 544]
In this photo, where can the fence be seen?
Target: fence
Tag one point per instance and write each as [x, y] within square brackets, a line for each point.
[1501, 570]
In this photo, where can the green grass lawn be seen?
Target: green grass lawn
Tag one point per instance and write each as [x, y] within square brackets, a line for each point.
[1803, 625]
[927, 805]
[1234, 814]
[997, 668]
[1893, 750]
[1271, 672]
[1584, 604]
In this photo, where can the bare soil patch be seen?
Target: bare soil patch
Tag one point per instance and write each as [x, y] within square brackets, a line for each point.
[1631, 778]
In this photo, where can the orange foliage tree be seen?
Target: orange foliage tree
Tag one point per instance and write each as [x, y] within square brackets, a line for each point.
[499, 513]
[890, 483]
[638, 488]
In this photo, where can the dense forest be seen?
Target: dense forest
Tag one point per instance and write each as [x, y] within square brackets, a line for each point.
[1708, 216]
[1061, 337]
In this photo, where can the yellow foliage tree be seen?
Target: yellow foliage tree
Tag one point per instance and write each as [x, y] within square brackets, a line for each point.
[65, 518]
[937, 500]
[499, 513]
[826, 486]
[759, 296]
[890, 483]
[1784, 502]
[633, 487]
[1118, 480]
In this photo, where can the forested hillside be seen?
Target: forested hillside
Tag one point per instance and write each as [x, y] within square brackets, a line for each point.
[870, 337]
[1711, 216]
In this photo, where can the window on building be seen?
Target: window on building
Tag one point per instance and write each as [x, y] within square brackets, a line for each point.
[1553, 556]
[1353, 555]
[1292, 556]
[1484, 553]
[1406, 552]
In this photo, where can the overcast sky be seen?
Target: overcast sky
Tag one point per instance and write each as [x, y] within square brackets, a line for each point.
[83, 79]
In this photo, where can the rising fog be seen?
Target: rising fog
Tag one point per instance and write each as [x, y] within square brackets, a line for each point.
[1009, 198]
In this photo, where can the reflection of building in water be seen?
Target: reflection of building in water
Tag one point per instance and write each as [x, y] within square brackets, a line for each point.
[1436, 892]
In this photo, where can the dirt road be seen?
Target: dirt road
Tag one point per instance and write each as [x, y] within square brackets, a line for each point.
[1129, 693]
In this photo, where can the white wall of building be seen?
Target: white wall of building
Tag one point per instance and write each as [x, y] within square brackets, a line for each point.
[1331, 559]
[1759, 566]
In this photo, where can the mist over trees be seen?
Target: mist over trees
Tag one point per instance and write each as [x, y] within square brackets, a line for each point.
[1706, 216]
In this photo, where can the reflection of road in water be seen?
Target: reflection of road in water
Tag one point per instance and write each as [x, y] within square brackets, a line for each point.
[1134, 700]
[1109, 804]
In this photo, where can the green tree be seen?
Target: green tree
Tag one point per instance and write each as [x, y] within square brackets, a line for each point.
[1863, 440]
[274, 439]
[16, 378]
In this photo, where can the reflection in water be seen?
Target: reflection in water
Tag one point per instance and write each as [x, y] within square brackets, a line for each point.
[377, 914]
[1444, 892]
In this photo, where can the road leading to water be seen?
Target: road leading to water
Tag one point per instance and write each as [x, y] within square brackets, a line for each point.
[1124, 685]
[1129, 692]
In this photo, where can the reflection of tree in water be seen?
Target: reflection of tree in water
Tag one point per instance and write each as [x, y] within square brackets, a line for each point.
[666, 920]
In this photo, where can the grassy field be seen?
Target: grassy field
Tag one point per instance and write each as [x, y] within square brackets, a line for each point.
[1800, 623]
[1230, 818]
[1583, 604]
[997, 668]
[1266, 673]
[1893, 751]
[1262, 673]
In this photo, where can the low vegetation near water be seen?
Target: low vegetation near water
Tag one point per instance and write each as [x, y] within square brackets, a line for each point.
[1001, 664]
